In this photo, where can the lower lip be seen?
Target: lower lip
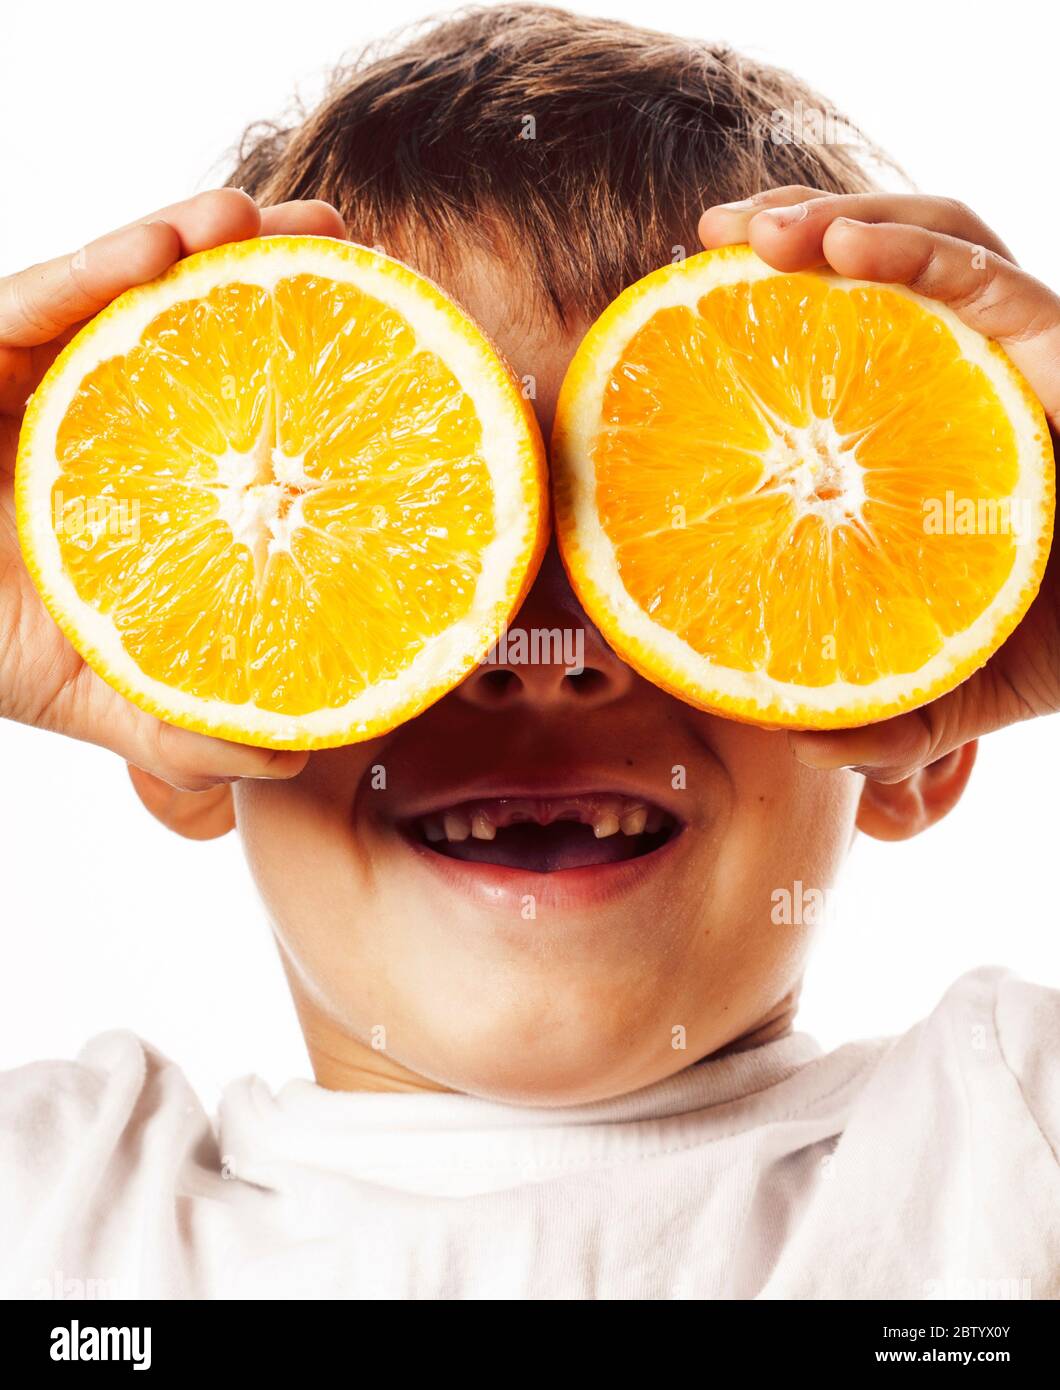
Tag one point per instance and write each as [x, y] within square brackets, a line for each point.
[498, 886]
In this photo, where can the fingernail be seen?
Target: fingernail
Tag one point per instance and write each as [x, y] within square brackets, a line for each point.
[808, 760]
[810, 755]
[740, 206]
[280, 765]
[787, 217]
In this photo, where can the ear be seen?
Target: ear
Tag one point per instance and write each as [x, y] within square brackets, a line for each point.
[195, 815]
[899, 810]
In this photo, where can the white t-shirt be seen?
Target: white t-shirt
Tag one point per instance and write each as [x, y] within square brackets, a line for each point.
[918, 1167]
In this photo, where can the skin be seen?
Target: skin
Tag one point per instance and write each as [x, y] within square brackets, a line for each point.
[583, 1001]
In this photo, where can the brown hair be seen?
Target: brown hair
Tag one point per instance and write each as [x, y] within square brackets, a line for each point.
[579, 150]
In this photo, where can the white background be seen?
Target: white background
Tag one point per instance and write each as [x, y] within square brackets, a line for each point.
[111, 109]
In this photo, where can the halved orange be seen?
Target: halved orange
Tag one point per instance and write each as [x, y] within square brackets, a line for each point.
[796, 499]
[287, 493]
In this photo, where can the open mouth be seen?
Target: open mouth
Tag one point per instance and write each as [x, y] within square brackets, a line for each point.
[546, 834]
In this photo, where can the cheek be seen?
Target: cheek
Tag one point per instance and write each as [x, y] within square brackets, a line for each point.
[310, 867]
[786, 839]
[818, 826]
[788, 821]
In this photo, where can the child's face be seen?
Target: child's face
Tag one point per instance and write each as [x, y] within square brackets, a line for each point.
[468, 963]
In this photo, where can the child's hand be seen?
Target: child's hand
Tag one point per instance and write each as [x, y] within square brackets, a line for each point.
[43, 681]
[943, 251]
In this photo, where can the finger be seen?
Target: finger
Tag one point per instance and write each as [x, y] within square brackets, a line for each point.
[306, 217]
[208, 219]
[790, 236]
[39, 303]
[985, 291]
[23, 369]
[204, 815]
[887, 752]
[88, 709]
[196, 226]
[726, 224]
[196, 762]
[893, 749]
[19, 374]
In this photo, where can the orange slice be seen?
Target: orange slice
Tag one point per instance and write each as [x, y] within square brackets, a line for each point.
[286, 494]
[795, 499]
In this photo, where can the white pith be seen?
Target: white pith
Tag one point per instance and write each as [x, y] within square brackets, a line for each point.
[819, 470]
[260, 492]
[756, 692]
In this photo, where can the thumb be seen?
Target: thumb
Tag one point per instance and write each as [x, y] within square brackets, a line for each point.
[893, 749]
[196, 762]
[90, 710]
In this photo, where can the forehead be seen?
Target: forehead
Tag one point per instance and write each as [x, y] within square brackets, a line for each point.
[536, 347]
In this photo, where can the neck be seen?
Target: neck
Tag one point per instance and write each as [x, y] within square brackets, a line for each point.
[343, 1063]
[777, 1024]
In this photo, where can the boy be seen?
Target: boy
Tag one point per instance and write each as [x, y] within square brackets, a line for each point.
[603, 1098]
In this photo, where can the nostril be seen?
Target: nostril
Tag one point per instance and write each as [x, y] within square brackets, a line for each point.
[496, 685]
[585, 683]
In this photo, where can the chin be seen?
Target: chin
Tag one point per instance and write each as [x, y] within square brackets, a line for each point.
[554, 1077]
[543, 1036]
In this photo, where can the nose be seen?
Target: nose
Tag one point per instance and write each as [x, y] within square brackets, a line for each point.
[551, 656]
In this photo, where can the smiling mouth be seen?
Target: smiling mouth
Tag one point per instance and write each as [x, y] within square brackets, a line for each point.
[546, 834]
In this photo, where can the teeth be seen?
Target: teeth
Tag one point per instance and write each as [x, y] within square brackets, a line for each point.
[456, 826]
[607, 816]
[605, 825]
